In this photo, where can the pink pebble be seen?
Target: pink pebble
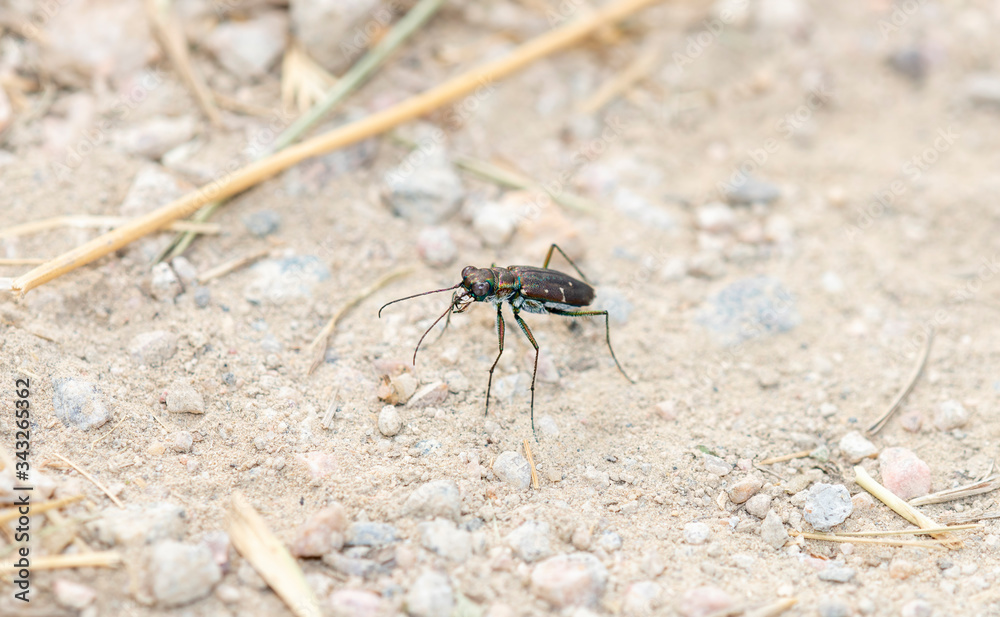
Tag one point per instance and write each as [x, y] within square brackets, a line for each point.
[904, 473]
[704, 601]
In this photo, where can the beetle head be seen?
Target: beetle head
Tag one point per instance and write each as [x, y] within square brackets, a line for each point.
[480, 283]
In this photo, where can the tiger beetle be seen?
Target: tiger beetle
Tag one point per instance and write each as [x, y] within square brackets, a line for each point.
[524, 288]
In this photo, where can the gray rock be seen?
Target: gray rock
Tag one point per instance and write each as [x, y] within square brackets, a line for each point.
[950, 415]
[352, 566]
[138, 524]
[181, 441]
[248, 48]
[715, 465]
[164, 284]
[513, 469]
[438, 498]
[79, 404]
[610, 541]
[338, 32]
[430, 596]
[772, 531]
[152, 348]
[183, 398]
[436, 246]
[837, 574]
[202, 296]
[983, 89]
[262, 222]
[278, 281]
[152, 187]
[827, 505]
[425, 447]
[155, 137]
[641, 598]
[366, 533]
[389, 422]
[443, 537]
[596, 477]
[547, 426]
[697, 533]
[184, 269]
[759, 505]
[749, 308]
[578, 579]
[829, 607]
[750, 190]
[73, 595]
[530, 541]
[856, 447]
[715, 217]
[425, 188]
[177, 573]
[494, 223]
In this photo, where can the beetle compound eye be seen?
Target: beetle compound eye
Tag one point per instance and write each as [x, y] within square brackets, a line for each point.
[481, 289]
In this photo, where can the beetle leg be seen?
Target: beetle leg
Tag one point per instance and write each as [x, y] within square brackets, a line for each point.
[607, 332]
[548, 258]
[527, 333]
[500, 329]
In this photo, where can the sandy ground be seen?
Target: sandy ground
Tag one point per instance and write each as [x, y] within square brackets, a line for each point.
[886, 225]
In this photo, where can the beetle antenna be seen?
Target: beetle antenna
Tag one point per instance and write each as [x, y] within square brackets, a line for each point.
[417, 296]
[451, 305]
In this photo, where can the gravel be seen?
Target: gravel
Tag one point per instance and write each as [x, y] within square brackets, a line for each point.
[439, 498]
[513, 469]
[176, 573]
[950, 415]
[772, 531]
[78, 403]
[152, 348]
[367, 533]
[578, 579]
[904, 473]
[322, 533]
[856, 447]
[697, 533]
[183, 398]
[530, 541]
[443, 537]
[827, 505]
[430, 596]
[389, 422]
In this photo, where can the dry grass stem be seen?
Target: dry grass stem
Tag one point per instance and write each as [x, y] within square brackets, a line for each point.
[25, 261]
[231, 265]
[902, 508]
[785, 457]
[94, 480]
[979, 487]
[907, 387]
[103, 559]
[531, 464]
[88, 221]
[303, 81]
[830, 537]
[317, 347]
[773, 609]
[375, 124]
[640, 67]
[11, 514]
[169, 33]
[269, 557]
[899, 532]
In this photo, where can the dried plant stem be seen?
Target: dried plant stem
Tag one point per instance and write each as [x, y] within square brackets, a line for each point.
[103, 559]
[269, 557]
[979, 487]
[374, 124]
[902, 508]
[531, 464]
[785, 457]
[773, 609]
[89, 221]
[900, 532]
[94, 480]
[639, 68]
[233, 264]
[317, 347]
[11, 514]
[830, 537]
[907, 387]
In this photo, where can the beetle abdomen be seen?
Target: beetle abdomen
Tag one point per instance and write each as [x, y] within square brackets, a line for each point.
[552, 286]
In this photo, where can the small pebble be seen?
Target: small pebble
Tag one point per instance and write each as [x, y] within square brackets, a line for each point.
[184, 269]
[368, 533]
[183, 398]
[827, 505]
[152, 348]
[595, 477]
[430, 596]
[138, 524]
[436, 246]
[856, 447]
[578, 579]
[424, 188]
[356, 603]
[512, 468]
[262, 222]
[202, 296]
[666, 410]
[829, 607]
[704, 601]
[697, 533]
[715, 217]
[404, 386]
[745, 489]
[912, 421]
[164, 284]
[862, 501]
[836, 574]
[438, 498]
[751, 191]
[389, 422]
[641, 598]
[950, 415]
[916, 608]
[749, 308]
[530, 541]
[609, 541]
[154, 137]
[322, 533]
[73, 595]
[716, 466]
[248, 48]
[176, 573]
[425, 447]
[767, 377]
[431, 395]
[78, 403]
[581, 537]
[547, 427]
[494, 223]
[772, 531]
[443, 537]
[910, 62]
[181, 441]
[759, 505]
[904, 473]
[983, 89]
